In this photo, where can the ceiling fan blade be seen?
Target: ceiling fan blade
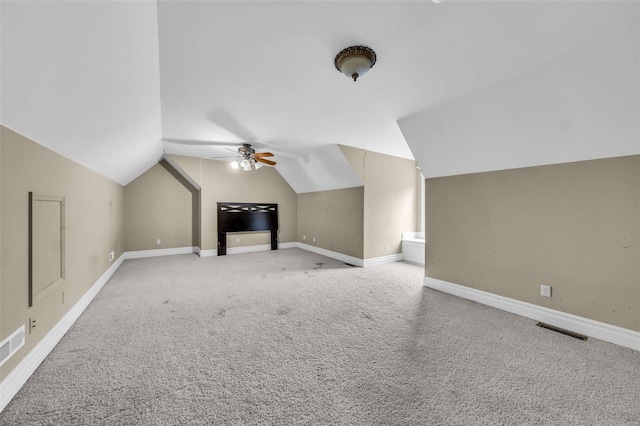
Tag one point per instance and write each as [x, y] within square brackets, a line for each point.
[269, 162]
[263, 154]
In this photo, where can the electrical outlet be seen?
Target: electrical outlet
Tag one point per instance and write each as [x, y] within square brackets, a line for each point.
[545, 290]
[237, 239]
[158, 242]
[386, 246]
[304, 237]
[314, 239]
[111, 256]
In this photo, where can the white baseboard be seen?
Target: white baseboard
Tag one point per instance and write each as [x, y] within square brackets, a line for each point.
[245, 249]
[332, 254]
[259, 247]
[363, 263]
[10, 386]
[139, 254]
[599, 330]
[208, 253]
[288, 245]
[266, 247]
[383, 259]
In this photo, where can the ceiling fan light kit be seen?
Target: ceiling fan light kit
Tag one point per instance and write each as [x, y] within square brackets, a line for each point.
[250, 159]
[355, 61]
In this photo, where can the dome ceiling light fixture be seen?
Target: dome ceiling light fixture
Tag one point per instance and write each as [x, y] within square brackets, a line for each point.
[355, 61]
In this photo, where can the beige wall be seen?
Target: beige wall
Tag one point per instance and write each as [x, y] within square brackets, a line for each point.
[94, 227]
[158, 206]
[391, 199]
[334, 218]
[574, 226]
[220, 183]
[390, 203]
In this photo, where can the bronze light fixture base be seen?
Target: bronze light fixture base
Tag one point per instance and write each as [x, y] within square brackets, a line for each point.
[354, 61]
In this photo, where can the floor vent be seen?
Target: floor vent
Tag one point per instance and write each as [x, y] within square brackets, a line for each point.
[562, 331]
[11, 344]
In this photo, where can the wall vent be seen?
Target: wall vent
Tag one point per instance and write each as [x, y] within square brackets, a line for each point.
[562, 331]
[11, 344]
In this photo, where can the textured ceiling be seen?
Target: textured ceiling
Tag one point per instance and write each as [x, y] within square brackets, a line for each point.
[103, 83]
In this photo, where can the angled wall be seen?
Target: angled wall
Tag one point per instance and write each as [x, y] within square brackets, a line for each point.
[158, 204]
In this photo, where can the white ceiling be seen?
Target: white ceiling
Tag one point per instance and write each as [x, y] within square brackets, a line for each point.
[82, 79]
[104, 82]
[322, 169]
[582, 105]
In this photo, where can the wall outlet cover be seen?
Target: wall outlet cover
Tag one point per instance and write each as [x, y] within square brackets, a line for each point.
[158, 242]
[545, 290]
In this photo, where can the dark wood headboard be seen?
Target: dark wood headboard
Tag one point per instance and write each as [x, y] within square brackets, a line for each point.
[246, 217]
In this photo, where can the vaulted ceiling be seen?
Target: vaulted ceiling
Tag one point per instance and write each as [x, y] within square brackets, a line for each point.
[114, 84]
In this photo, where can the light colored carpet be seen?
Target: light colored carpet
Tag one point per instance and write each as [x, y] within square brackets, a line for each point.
[290, 337]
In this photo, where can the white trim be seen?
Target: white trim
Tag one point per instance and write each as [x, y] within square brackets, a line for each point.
[245, 249]
[383, 259]
[288, 245]
[363, 263]
[599, 330]
[159, 252]
[208, 253]
[258, 247]
[21, 373]
[248, 249]
[413, 236]
[332, 254]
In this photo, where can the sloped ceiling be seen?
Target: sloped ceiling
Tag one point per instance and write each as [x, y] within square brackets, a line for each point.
[582, 105]
[322, 169]
[103, 83]
[82, 79]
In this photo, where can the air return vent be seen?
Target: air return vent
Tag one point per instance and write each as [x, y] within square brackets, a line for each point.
[562, 331]
[11, 344]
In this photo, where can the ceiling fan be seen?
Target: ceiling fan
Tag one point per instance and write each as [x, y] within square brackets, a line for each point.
[247, 158]
[250, 159]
